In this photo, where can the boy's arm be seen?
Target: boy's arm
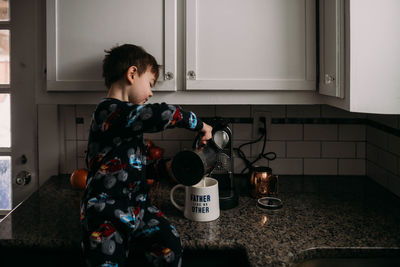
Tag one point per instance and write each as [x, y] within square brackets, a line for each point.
[157, 117]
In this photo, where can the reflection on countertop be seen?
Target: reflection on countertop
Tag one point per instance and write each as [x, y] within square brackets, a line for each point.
[320, 214]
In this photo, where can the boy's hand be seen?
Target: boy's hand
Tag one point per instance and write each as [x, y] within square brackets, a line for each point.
[206, 133]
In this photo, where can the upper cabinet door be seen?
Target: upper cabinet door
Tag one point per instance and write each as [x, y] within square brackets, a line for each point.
[250, 45]
[331, 47]
[78, 32]
[374, 53]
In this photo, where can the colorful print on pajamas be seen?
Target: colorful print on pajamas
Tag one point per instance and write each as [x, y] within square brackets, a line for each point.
[120, 227]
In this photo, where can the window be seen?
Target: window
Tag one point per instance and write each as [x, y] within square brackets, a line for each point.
[5, 108]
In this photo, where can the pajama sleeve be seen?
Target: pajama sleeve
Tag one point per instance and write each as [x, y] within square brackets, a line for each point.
[157, 117]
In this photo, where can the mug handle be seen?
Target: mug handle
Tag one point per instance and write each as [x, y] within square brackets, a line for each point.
[171, 196]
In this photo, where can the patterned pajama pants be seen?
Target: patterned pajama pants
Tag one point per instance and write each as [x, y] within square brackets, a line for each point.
[152, 242]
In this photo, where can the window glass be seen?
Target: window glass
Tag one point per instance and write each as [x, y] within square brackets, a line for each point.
[4, 10]
[5, 182]
[4, 56]
[5, 125]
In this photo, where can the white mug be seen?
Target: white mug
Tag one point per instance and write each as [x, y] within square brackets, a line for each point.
[201, 200]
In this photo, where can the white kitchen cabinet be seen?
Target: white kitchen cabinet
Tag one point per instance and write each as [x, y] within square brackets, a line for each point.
[331, 47]
[250, 45]
[360, 46]
[262, 51]
[78, 32]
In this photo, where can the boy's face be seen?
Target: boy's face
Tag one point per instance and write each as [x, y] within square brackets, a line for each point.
[140, 88]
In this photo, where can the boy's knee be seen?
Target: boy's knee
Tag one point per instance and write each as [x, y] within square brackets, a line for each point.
[104, 245]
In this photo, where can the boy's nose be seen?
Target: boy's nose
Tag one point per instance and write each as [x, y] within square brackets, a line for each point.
[150, 94]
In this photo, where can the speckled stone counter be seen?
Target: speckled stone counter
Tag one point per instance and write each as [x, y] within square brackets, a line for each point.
[321, 217]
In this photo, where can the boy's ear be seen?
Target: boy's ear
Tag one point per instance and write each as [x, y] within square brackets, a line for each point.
[131, 73]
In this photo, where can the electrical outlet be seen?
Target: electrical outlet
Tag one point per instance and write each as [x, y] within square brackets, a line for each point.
[257, 123]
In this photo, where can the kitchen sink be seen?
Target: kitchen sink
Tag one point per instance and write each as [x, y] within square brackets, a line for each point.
[350, 257]
[351, 262]
[12, 256]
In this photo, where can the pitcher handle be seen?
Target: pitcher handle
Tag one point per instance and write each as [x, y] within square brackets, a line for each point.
[171, 196]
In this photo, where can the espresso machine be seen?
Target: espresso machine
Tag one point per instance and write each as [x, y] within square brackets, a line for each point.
[223, 169]
[215, 159]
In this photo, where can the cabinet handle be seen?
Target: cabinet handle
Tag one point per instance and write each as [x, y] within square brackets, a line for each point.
[168, 76]
[329, 78]
[191, 75]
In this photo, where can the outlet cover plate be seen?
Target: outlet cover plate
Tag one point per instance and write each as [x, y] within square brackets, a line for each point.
[258, 124]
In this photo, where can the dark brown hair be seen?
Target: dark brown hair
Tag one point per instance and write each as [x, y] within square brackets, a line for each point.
[120, 58]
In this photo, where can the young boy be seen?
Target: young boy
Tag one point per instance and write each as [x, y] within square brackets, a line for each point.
[117, 219]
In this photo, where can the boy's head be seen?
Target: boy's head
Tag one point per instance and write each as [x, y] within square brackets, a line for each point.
[120, 59]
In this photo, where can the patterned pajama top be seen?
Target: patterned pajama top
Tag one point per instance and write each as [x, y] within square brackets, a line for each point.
[116, 190]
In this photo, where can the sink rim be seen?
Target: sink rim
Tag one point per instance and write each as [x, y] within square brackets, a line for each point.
[343, 253]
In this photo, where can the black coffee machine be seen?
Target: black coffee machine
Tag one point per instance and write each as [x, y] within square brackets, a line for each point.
[214, 160]
[223, 169]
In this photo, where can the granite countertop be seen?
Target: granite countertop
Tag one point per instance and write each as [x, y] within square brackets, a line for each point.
[321, 217]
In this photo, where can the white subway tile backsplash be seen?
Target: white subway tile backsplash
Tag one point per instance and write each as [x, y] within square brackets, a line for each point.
[286, 132]
[320, 166]
[388, 120]
[352, 167]
[233, 111]
[187, 145]
[279, 147]
[286, 166]
[80, 132]
[178, 134]
[68, 165]
[387, 179]
[309, 149]
[352, 132]
[305, 111]
[338, 149]
[361, 150]
[262, 162]
[372, 153]
[378, 174]
[48, 138]
[201, 111]
[85, 112]
[377, 137]
[387, 160]
[320, 132]
[303, 149]
[81, 163]
[333, 112]
[153, 136]
[67, 116]
[170, 147]
[81, 148]
[245, 149]
[275, 111]
[242, 131]
[239, 165]
[394, 144]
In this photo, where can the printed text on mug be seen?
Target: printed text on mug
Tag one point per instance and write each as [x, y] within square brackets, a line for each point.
[200, 207]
